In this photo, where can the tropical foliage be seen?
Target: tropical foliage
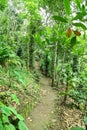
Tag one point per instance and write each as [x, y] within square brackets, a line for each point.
[52, 33]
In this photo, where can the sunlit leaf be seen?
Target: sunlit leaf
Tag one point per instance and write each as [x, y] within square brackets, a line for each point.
[5, 110]
[78, 3]
[14, 97]
[79, 15]
[77, 128]
[9, 127]
[6, 127]
[20, 117]
[22, 126]
[15, 112]
[67, 6]
[5, 118]
[12, 127]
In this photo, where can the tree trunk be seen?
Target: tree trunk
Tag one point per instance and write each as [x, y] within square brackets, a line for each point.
[31, 47]
[54, 71]
[27, 62]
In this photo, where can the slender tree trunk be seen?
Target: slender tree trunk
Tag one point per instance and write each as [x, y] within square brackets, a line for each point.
[46, 65]
[54, 71]
[31, 47]
[27, 62]
[31, 52]
[66, 94]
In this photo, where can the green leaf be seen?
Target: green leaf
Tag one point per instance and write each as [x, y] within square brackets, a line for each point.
[1, 125]
[6, 110]
[59, 18]
[78, 2]
[77, 128]
[73, 41]
[1, 103]
[80, 25]
[22, 126]
[20, 117]
[19, 76]
[85, 120]
[12, 127]
[6, 127]
[15, 112]
[83, 8]
[5, 118]
[22, 81]
[67, 6]
[9, 127]
[79, 16]
[14, 97]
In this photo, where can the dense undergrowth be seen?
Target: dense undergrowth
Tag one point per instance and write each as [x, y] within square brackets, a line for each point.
[55, 33]
[18, 93]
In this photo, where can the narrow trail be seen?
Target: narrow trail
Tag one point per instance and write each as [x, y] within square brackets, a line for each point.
[60, 118]
[40, 116]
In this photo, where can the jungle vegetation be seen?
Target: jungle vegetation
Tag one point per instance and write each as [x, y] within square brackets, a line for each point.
[53, 33]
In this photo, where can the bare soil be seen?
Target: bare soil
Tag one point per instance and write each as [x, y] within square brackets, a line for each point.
[40, 115]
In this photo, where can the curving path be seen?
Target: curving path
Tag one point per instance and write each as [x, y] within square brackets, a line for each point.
[40, 115]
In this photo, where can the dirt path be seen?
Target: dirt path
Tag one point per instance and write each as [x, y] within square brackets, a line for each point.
[41, 113]
[63, 117]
